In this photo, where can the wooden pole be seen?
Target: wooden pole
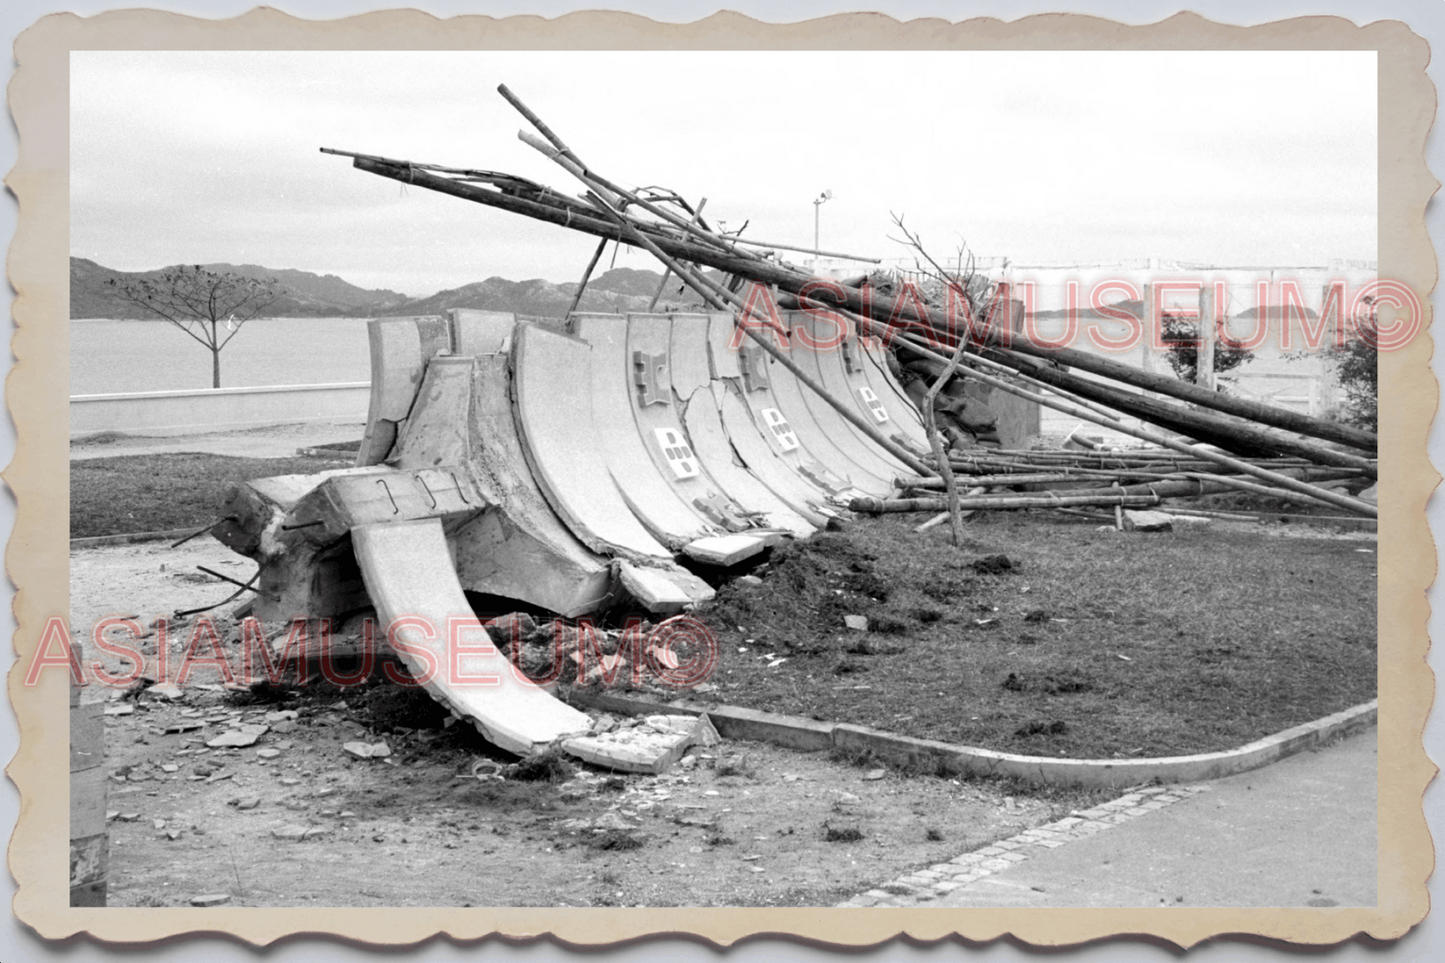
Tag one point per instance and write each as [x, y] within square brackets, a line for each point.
[716, 295]
[562, 211]
[586, 276]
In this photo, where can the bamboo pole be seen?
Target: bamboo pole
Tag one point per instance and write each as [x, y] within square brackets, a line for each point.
[586, 276]
[716, 295]
[559, 210]
[880, 506]
[1350, 504]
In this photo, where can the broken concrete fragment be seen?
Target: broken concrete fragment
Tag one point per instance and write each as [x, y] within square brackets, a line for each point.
[1148, 521]
[234, 739]
[653, 589]
[363, 750]
[210, 899]
[652, 746]
[725, 549]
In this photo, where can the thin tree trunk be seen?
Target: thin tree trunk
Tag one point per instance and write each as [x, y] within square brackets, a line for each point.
[215, 358]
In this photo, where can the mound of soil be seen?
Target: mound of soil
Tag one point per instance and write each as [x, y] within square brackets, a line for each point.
[811, 586]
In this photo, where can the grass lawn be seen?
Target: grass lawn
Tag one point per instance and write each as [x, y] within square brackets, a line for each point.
[156, 493]
[1093, 644]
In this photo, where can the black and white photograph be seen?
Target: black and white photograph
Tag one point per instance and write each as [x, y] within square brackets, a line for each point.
[746, 478]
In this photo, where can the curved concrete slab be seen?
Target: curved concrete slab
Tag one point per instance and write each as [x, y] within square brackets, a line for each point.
[518, 549]
[754, 390]
[650, 340]
[823, 359]
[715, 448]
[477, 332]
[408, 573]
[703, 421]
[400, 350]
[554, 408]
[798, 491]
[866, 363]
[899, 403]
[822, 440]
[615, 378]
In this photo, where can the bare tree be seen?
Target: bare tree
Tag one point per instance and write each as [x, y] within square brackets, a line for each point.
[209, 306]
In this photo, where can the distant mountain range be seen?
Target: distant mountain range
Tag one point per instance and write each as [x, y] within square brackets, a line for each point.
[313, 295]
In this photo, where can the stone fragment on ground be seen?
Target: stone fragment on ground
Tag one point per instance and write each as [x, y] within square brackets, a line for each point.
[1141, 521]
[365, 750]
[211, 899]
[238, 738]
[858, 623]
[652, 745]
[166, 690]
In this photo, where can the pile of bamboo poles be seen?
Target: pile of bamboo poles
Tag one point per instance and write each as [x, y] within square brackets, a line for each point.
[1202, 441]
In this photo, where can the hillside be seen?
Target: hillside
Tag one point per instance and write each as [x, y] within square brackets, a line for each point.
[303, 294]
[313, 295]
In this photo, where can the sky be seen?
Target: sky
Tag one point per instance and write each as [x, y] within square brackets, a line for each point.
[1231, 158]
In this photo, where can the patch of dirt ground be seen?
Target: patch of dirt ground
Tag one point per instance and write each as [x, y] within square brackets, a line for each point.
[737, 824]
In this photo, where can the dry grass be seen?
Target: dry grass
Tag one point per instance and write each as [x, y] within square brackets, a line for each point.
[157, 493]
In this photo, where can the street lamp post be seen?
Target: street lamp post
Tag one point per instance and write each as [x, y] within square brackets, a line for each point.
[822, 198]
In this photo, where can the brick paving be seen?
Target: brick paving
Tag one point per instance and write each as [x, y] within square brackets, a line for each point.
[925, 885]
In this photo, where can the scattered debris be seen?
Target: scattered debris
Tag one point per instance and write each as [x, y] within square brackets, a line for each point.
[238, 738]
[365, 750]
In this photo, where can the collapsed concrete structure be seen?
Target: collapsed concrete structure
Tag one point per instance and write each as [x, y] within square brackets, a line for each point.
[569, 467]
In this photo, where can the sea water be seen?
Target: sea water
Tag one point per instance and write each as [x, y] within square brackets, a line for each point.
[109, 357]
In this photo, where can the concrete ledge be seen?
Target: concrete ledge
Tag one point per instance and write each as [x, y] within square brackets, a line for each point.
[129, 538]
[806, 735]
[216, 409]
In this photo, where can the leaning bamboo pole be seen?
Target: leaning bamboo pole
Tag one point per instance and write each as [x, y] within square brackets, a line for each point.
[1351, 504]
[714, 294]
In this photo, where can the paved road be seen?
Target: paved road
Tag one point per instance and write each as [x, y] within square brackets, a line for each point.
[1298, 833]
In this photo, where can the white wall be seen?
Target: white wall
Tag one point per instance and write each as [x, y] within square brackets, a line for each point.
[216, 409]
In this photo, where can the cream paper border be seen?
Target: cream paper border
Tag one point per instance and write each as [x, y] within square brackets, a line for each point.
[37, 393]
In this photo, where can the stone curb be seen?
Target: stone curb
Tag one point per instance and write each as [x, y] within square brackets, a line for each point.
[793, 732]
[130, 538]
